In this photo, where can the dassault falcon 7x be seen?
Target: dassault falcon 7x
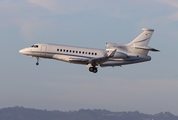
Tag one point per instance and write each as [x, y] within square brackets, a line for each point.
[114, 54]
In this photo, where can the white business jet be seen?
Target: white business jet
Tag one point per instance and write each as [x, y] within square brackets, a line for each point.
[113, 55]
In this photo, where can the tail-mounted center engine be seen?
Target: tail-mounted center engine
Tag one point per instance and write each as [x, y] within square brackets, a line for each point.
[110, 47]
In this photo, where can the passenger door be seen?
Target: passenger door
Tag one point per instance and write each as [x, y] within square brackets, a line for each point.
[43, 50]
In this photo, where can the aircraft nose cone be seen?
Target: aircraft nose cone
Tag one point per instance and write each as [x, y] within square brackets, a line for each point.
[21, 51]
[25, 51]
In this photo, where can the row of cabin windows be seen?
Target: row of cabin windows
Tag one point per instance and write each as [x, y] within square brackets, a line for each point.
[80, 52]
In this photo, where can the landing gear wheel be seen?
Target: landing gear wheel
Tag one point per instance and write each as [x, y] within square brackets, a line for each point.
[37, 63]
[93, 69]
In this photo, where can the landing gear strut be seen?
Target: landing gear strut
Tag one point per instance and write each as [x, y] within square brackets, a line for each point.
[93, 69]
[37, 63]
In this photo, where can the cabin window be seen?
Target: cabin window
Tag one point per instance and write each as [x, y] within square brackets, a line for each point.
[66, 50]
[83, 52]
[92, 53]
[79, 52]
[76, 51]
[89, 53]
[95, 53]
[70, 51]
[57, 49]
[61, 50]
[73, 51]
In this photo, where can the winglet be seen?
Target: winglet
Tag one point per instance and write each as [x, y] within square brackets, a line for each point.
[112, 54]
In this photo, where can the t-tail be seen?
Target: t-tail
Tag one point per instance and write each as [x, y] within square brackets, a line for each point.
[140, 43]
[144, 38]
[139, 46]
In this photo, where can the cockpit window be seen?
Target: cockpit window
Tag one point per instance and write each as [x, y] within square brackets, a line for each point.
[35, 46]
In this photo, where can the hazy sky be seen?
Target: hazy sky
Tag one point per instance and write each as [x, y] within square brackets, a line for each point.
[149, 87]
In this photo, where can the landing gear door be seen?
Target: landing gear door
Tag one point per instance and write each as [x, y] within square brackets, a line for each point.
[43, 50]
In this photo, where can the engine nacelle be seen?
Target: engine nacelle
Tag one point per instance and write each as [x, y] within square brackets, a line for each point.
[110, 45]
[120, 55]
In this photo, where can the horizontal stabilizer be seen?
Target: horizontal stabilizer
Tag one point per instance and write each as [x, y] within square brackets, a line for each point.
[146, 48]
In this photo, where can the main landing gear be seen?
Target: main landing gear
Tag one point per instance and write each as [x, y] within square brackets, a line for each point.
[93, 69]
[37, 62]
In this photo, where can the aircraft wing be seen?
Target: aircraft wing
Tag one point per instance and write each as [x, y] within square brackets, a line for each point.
[70, 59]
[94, 61]
[80, 60]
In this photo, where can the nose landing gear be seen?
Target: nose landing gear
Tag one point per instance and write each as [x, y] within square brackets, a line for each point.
[37, 62]
[93, 69]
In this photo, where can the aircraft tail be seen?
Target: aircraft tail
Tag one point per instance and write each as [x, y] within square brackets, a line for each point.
[143, 39]
[139, 46]
[140, 43]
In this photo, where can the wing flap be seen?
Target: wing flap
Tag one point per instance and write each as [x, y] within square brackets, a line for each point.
[74, 59]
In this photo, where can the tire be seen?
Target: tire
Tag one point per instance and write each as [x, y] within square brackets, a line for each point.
[91, 69]
[95, 70]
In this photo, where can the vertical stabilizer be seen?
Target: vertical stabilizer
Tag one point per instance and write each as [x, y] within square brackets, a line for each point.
[143, 39]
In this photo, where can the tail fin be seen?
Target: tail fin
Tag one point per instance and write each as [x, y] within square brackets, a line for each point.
[143, 39]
